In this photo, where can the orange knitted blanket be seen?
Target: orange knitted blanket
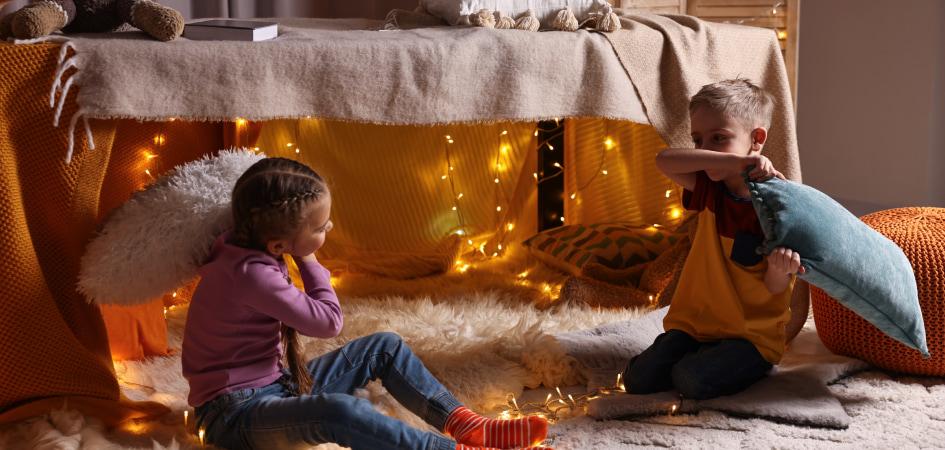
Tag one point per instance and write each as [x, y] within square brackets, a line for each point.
[55, 349]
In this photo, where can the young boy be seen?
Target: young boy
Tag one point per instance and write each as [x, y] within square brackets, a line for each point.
[726, 323]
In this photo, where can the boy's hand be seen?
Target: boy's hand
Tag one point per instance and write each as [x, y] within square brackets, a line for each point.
[785, 261]
[763, 170]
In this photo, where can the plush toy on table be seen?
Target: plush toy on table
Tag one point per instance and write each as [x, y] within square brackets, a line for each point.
[44, 17]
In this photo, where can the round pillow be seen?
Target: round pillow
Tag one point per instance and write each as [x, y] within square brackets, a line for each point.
[920, 232]
[154, 243]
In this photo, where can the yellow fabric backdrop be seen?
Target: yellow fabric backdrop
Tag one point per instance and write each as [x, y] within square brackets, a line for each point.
[633, 190]
[393, 209]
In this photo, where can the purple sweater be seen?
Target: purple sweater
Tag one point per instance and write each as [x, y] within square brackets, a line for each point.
[232, 340]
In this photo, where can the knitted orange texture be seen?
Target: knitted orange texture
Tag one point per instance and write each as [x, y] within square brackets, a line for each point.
[920, 232]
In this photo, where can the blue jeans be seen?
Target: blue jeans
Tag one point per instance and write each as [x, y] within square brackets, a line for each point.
[272, 417]
[698, 370]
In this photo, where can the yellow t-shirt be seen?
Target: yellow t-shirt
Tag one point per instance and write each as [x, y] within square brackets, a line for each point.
[721, 292]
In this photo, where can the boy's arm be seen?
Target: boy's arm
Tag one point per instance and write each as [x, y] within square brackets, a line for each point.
[800, 305]
[682, 164]
[783, 263]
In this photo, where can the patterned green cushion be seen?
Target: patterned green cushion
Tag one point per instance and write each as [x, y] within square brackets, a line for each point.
[615, 245]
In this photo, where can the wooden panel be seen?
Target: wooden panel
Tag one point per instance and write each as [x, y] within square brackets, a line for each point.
[763, 22]
[731, 3]
[706, 12]
[781, 16]
[652, 6]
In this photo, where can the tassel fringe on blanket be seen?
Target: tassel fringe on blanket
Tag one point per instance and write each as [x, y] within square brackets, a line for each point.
[65, 62]
[604, 19]
[600, 16]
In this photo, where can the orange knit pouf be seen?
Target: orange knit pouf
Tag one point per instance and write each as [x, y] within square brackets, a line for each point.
[920, 232]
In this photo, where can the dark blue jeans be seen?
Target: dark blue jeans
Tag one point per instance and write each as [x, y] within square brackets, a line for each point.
[271, 417]
[698, 370]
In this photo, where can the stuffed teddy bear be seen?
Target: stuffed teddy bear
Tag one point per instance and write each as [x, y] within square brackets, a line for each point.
[44, 17]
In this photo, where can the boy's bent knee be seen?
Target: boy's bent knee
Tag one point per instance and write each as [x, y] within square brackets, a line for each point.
[643, 378]
[691, 382]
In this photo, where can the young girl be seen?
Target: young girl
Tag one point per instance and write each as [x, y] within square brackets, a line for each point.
[243, 323]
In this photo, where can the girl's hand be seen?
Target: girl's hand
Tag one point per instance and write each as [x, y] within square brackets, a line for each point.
[785, 261]
[763, 170]
[309, 257]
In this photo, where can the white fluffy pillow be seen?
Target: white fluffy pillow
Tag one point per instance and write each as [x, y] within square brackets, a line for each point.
[594, 13]
[155, 242]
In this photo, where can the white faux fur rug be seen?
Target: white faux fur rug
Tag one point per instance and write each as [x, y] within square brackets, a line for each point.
[482, 345]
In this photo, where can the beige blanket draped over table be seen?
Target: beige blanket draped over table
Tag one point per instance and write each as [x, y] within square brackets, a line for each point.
[344, 70]
[349, 70]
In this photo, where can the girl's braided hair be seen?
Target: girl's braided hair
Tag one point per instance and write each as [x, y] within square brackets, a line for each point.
[267, 203]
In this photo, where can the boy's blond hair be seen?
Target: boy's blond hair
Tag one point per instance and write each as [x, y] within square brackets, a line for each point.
[739, 98]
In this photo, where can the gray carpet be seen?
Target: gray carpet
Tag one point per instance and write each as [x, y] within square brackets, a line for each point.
[795, 392]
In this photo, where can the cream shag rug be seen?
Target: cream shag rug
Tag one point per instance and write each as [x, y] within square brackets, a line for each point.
[486, 345]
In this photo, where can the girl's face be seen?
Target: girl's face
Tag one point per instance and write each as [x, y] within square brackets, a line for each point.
[315, 224]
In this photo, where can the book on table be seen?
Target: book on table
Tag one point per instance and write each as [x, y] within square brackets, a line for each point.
[231, 30]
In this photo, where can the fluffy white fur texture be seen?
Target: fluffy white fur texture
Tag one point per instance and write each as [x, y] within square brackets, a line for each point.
[475, 343]
[155, 242]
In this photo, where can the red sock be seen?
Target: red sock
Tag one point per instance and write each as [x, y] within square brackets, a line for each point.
[471, 429]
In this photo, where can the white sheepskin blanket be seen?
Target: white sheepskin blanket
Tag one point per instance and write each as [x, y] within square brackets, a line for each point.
[155, 242]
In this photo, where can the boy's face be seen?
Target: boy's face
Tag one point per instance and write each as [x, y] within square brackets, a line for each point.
[712, 130]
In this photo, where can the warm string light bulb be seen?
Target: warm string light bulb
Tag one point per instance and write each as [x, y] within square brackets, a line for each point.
[557, 405]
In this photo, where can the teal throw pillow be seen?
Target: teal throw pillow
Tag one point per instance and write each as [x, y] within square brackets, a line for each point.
[853, 263]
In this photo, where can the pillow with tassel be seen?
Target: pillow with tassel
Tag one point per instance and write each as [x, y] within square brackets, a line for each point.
[154, 243]
[853, 263]
[529, 15]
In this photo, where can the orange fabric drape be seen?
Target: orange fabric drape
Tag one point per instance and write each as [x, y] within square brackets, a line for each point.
[55, 347]
[136, 332]
[54, 342]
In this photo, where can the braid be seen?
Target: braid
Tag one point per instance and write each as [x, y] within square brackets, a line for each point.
[267, 203]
